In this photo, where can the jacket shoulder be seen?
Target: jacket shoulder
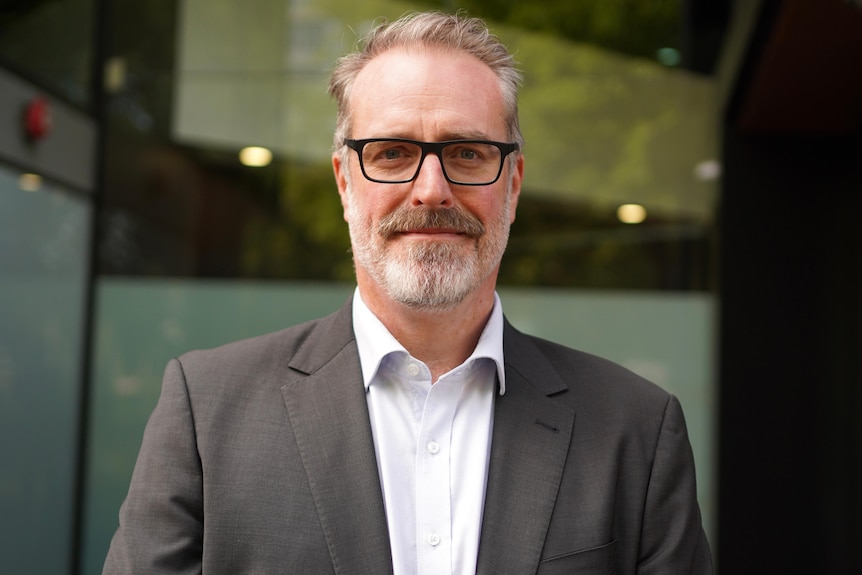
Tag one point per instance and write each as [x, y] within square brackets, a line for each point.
[589, 378]
[299, 345]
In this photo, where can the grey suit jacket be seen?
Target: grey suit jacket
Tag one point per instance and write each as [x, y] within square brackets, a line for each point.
[259, 459]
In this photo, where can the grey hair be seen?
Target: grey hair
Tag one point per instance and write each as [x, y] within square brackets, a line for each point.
[451, 31]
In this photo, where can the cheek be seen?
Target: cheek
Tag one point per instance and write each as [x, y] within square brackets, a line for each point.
[372, 207]
[489, 207]
[361, 211]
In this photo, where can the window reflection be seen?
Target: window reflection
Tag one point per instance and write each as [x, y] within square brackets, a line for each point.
[609, 121]
[51, 44]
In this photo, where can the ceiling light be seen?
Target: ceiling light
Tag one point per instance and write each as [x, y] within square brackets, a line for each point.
[631, 213]
[255, 156]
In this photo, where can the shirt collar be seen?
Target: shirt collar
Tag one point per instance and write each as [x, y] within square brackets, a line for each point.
[374, 341]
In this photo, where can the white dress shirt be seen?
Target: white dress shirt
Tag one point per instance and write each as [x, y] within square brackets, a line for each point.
[432, 443]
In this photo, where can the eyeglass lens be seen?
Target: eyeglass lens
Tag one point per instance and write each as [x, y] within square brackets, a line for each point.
[463, 162]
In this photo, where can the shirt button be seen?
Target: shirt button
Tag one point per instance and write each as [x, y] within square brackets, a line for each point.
[413, 370]
[433, 539]
[433, 447]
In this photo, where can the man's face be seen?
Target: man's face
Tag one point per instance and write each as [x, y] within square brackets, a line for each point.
[427, 243]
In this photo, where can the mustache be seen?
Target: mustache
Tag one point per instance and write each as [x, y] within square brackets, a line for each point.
[412, 219]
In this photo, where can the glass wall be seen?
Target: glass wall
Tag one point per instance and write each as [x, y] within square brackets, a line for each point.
[46, 221]
[44, 250]
[611, 252]
[606, 127]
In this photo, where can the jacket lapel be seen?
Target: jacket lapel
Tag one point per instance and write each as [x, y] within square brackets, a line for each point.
[326, 405]
[531, 438]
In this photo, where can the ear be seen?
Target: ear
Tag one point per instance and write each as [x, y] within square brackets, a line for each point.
[339, 169]
[517, 177]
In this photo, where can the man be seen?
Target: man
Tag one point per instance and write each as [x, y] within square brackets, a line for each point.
[415, 430]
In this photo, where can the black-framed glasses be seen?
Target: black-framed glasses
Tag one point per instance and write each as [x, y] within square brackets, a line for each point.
[464, 162]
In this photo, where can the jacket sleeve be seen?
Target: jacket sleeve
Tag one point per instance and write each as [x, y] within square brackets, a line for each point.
[673, 540]
[161, 520]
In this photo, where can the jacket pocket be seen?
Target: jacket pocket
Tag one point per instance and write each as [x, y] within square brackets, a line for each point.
[593, 561]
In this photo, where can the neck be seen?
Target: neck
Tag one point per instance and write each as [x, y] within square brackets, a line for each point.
[442, 340]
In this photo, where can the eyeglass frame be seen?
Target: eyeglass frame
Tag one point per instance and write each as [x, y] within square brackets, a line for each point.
[436, 148]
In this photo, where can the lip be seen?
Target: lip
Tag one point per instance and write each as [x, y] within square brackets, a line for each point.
[432, 232]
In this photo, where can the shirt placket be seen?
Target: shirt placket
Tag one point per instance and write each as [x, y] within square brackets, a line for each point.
[433, 479]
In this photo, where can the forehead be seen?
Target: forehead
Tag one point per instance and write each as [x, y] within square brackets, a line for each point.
[428, 94]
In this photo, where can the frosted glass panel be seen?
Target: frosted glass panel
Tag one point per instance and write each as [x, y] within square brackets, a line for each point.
[43, 262]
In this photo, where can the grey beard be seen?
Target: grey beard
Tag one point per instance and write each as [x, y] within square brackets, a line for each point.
[431, 276]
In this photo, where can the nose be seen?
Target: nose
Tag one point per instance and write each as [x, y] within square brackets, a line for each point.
[430, 187]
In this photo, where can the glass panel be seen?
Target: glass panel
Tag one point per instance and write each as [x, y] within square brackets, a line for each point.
[51, 44]
[621, 176]
[44, 243]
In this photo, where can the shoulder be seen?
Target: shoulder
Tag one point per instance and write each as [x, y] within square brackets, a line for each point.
[584, 379]
[222, 386]
[590, 366]
[620, 416]
[273, 352]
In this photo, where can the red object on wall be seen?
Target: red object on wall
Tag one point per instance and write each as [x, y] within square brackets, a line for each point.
[37, 118]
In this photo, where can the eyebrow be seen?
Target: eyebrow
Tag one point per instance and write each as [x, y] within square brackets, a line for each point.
[447, 136]
[465, 136]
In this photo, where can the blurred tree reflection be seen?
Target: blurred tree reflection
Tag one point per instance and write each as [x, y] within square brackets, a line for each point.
[305, 237]
[605, 124]
[634, 27]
